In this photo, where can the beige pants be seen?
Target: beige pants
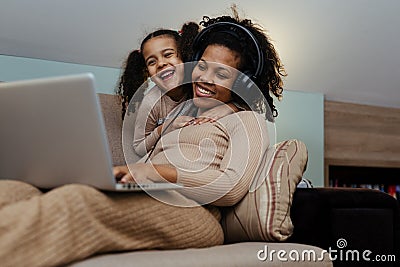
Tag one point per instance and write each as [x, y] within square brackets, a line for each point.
[74, 222]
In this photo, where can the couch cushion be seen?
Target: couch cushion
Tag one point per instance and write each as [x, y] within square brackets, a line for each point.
[239, 254]
[264, 213]
[112, 114]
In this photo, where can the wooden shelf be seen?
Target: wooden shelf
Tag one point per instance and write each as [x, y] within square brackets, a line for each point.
[361, 136]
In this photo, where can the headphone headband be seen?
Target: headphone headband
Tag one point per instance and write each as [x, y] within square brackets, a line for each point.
[228, 27]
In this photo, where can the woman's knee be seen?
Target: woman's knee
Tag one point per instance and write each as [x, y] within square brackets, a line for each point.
[12, 191]
[75, 194]
[76, 190]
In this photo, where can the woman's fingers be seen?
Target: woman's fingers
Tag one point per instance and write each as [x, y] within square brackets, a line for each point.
[127, 178]
[122, 174]
[120, 171]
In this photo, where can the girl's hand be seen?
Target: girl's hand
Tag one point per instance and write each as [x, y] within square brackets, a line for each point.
[179, 122]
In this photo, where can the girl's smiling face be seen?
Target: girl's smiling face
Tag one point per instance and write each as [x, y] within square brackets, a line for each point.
[163, 62]
[214, 76]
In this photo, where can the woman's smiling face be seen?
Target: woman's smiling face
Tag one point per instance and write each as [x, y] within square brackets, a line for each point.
[214, 76]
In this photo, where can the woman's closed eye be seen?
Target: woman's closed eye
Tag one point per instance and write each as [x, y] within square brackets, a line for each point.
[201, 66]
[222, 75]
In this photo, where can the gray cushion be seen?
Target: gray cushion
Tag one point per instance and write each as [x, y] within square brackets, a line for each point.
[239, 254]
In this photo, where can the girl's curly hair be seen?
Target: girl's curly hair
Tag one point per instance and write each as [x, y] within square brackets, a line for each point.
[135, 74]
[270, 79]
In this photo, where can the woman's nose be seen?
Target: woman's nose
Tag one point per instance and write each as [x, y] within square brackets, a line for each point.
[206, 77]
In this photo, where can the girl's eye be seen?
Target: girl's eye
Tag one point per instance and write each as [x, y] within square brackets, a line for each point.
[151, 62]
[168, 55]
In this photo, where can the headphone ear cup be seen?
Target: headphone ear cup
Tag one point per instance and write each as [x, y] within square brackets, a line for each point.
[245, 88]
[242, 83]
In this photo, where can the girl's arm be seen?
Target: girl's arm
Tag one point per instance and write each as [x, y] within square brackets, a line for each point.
[146, 132]
[147, 128]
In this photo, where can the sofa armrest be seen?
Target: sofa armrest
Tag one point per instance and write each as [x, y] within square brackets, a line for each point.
[367, 219]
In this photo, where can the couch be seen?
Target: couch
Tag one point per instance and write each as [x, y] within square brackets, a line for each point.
[359, 227]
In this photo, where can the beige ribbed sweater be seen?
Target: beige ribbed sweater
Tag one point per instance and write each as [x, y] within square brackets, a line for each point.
[74, 222]
[217, 161]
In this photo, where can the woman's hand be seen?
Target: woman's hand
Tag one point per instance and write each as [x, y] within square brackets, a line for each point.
[144, 173]
[123, 175]
[135, 173]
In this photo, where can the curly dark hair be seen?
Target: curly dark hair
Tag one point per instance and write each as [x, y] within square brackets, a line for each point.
[270, 78]
[135, 74]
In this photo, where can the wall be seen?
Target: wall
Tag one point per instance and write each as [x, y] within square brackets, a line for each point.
[18, 68]
[300, 113]
[301, 116]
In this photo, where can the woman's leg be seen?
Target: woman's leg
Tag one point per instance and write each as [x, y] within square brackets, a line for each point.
[75, 221]
[13, 191]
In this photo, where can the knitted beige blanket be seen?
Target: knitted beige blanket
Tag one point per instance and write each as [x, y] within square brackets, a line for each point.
[73, 222]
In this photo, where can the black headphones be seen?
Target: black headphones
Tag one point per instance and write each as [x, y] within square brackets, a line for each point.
[247, 78]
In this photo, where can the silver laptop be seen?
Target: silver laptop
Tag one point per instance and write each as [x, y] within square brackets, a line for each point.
[52, 133]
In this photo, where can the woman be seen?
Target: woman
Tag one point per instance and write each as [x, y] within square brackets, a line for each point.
[76, 221]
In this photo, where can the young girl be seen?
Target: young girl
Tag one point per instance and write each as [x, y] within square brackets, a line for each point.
[160, 58]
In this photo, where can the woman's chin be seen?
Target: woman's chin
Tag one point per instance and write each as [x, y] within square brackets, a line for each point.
[205, 102]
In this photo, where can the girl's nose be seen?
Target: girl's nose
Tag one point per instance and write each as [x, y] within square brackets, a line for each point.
[161, 63]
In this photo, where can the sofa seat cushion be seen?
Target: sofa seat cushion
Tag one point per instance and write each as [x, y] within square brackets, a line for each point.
[238, 254]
